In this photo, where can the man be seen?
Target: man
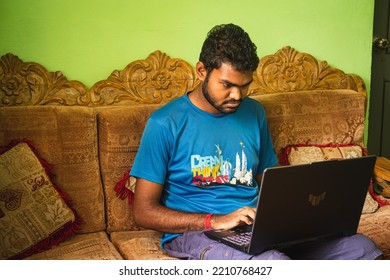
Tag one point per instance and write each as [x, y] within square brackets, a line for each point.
[202, 156]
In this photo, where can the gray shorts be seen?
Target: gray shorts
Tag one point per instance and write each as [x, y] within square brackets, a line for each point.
[194, 245]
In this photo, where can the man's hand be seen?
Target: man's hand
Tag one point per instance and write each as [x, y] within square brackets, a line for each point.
[241, 216]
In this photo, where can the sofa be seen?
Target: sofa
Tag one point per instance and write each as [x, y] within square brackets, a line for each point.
[85, 140]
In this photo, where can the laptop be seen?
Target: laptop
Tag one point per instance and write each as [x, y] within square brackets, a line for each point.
[302, 203]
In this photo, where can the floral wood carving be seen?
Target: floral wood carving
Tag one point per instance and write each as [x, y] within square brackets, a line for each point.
[28, 83]
[157, 79]
[288, 70]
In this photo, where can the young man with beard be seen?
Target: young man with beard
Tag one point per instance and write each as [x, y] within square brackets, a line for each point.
[202, 156]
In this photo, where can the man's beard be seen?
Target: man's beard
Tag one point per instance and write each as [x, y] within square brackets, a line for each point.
[213, 103]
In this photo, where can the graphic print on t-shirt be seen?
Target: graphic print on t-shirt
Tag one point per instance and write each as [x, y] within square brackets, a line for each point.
[210, 170]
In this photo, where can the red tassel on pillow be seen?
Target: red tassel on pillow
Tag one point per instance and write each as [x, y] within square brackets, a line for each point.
[283, 157]
[123, 190]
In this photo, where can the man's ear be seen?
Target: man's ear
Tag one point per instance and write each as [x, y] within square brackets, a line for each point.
[200, 71]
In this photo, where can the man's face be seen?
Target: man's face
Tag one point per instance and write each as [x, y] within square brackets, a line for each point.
[225, 88]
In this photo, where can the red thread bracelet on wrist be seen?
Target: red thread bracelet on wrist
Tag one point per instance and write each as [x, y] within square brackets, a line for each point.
[207, 221]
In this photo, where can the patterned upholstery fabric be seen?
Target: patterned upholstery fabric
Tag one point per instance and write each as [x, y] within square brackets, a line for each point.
[335, 117]
[33, 215]
[90, 246]
[139, 245]
[66, 137]
[120, 132]
[377, 227]
[312, 153]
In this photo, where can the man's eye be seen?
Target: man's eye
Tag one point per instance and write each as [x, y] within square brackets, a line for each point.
[225, 85]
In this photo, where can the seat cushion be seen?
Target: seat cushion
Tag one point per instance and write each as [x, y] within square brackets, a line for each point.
[89, 246]
[139, 245]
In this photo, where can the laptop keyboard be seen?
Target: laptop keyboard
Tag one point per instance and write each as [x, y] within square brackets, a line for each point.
[243, 238]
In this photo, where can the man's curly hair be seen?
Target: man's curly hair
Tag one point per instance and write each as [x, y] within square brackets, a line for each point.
[229, 43]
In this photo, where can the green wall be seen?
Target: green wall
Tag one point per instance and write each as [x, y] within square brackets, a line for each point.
[88, 39]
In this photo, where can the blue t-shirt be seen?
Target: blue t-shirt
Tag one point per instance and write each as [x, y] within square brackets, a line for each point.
[206, 162]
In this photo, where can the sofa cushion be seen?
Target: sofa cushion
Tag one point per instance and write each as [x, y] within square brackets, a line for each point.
[88, 246]
[336, 116]
[67, 138]
[33, 215]
[120, 132]
[139, 245]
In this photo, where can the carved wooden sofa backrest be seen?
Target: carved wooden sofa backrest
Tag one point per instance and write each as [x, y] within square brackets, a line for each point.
[160, 78]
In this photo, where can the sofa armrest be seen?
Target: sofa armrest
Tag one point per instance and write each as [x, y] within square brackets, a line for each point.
[382, 176]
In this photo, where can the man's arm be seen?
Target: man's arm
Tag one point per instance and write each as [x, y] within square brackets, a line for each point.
[149, 213]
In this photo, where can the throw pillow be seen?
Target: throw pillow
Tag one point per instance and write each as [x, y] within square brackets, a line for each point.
[302, 153]
[34, 216]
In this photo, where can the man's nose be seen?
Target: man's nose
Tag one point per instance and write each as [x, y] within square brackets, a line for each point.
[236, 93]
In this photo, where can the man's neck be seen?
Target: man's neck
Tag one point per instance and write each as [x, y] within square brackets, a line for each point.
[198, 100]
